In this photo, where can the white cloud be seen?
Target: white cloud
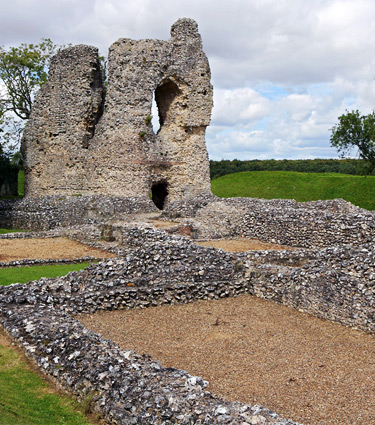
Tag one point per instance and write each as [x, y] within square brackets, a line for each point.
[282, 70]
[242, 106]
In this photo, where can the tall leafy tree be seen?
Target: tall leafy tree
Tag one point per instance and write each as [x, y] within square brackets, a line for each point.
[23, 70]
[356, 131]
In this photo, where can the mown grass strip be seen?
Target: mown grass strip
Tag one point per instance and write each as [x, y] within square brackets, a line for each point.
[302, 187]
[21, 182]
[3, 230]
[10, 275]
[25, 399]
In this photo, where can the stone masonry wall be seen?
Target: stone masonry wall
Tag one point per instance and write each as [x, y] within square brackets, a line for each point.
[299, 224]
[124, 387]
[336, 283]
[51, 212]
[282, 221]
[64, 115]
[84, 140]
[331, 276]
[127, 388]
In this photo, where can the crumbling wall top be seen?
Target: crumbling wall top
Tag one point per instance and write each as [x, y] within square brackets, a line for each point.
[84, 139]
[185, 30]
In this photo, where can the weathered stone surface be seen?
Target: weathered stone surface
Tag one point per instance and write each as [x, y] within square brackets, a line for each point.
[282, 221]
[80, 142]
[51, 212]
[56, 139]
[153, 268]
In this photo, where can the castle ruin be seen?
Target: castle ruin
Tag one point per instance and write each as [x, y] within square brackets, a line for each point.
[86, 137]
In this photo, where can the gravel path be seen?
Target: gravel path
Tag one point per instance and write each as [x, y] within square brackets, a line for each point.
[242, 245]
[48, 248]
[254, 351]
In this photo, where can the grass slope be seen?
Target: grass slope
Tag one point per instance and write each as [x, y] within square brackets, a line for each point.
[25, 399]
[10, 275]
[358, 190]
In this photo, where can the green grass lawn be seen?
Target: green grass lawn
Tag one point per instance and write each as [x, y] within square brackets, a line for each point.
[3, 230]
[25, 399]
[358, 190]
[21, 182]
[10, 275]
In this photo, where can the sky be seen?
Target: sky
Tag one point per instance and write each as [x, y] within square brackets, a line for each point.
[283, 71]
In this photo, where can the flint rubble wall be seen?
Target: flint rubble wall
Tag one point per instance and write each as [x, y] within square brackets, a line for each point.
[103, 144]
[287, 222]
[335, 282]
[52, 212]
[281, 221]
[126, 387]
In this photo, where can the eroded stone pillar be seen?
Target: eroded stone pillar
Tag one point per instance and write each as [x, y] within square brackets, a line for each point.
[62, 124]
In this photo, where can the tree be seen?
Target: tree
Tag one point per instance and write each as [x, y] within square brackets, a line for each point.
[356, 131]
[23, 70]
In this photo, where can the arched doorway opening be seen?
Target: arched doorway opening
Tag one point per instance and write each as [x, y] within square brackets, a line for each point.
[159, 193]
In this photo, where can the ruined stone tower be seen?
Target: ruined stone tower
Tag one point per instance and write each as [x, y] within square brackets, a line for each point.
[84, 139]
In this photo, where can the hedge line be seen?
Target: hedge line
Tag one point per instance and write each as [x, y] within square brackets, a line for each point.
[344, 166]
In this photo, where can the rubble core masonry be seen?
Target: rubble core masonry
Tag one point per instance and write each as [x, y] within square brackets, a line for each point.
[90, 138]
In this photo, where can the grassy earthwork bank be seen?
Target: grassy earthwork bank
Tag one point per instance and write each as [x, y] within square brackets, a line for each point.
[359, 190]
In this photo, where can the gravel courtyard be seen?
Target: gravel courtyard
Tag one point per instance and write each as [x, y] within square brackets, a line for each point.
[47, 248]
[307, 369]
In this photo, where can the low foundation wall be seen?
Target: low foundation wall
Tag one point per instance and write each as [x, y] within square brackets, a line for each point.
[282, 221]
[125, 387]
[300, 224]
[336, 283]
[50, 212]
[123, 384]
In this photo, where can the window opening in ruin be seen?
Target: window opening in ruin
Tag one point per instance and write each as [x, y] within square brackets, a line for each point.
[164, 96]
[155, 121]
[159, 193]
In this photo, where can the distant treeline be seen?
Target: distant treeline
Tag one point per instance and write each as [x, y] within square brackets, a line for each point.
[343, 166]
